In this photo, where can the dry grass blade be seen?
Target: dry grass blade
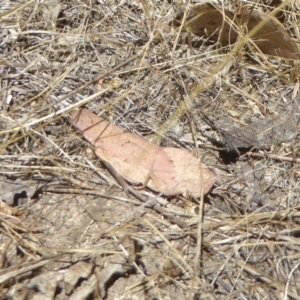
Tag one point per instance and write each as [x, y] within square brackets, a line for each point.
[22, 269]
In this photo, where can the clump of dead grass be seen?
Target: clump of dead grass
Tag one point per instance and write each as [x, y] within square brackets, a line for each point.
[52, 56]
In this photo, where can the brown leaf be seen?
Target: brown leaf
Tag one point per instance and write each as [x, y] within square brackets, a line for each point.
[167, 170]
[210, 21]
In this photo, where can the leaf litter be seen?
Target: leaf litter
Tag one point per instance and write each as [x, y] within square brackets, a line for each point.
[166, 170]
[227, 27]
[80, 236]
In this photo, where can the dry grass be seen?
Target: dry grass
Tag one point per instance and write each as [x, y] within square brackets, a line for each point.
[76, 229]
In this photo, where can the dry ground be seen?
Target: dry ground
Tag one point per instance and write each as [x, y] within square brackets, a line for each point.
[75, 233]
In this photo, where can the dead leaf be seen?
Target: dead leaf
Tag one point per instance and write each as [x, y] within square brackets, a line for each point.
[167, 170]
[210, 21]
